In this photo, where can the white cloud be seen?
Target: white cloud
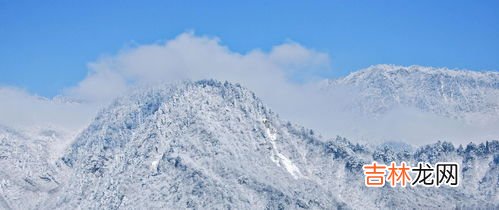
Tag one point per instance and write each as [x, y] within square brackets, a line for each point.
[408, 125]
[186, 57]
[24, 111]
[100, 85]
[193, 57]
[271, 75]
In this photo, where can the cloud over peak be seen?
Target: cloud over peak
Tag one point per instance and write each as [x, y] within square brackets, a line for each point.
[191, 57]
[285, 78]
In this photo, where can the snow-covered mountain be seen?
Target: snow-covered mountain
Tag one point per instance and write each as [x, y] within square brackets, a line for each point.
[26, 176]
[213, 145]
[469, 95]
[196, 145]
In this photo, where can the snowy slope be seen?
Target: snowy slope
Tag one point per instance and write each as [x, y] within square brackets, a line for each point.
[199, 145]
[213, 145]
[469, 95]
[26, 176]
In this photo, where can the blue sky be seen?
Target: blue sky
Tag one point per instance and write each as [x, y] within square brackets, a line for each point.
[45, 46]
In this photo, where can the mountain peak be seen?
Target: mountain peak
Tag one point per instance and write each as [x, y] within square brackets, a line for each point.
[391, 69]
[451, 93]
[214, 145]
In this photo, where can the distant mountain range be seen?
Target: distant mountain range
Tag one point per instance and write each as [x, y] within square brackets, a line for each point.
[469, 95]
[213, 145]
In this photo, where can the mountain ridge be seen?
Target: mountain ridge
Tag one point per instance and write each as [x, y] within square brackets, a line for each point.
[211, 144]
[459, 94]
[221, 133]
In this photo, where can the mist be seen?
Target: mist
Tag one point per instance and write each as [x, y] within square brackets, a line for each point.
[271, 75]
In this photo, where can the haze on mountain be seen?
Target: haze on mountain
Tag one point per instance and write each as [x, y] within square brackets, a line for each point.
[419, 102]
[209, 145]
[373, 105]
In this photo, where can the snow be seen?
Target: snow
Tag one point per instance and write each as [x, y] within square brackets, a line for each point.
[208, 145]
[154, 165]
[277, 157]
[451, 93]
